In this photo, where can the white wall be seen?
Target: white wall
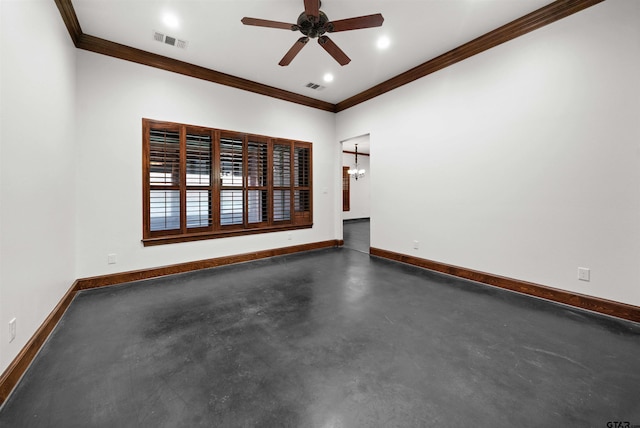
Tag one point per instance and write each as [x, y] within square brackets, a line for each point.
[113, 96]
[523, 161]
[360, 190]
[37, 142]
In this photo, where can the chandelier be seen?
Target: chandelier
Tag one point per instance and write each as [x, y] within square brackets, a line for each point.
[356, 172]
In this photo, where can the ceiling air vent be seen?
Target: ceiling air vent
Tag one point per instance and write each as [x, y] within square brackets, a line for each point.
[163, 38]
[314, 86]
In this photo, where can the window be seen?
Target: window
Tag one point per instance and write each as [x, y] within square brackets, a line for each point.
[203, 183]
[346, 187]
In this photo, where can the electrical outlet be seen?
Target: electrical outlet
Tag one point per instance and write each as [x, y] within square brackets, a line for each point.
[12, 330]
[416, 245]
[289, 236]
[112, 258]
[584, 274]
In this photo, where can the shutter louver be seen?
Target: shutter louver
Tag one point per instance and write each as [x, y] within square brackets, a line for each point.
[281, 182]
[258, 168]
[281, 205]
[164, 158]
[257, 161]
[165, 209]
[302, 167]
[198, 160]
[302, 184]
[257, 206]
[231, 179]
[231, 162]
[198, 178]
[301, 200]
[281, 165]
[164, 171]
[231, 207]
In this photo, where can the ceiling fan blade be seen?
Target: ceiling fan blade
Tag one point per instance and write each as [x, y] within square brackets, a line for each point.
[357, 23]
[291, 54]
[312, 8]
[266, 23]
[334, 50]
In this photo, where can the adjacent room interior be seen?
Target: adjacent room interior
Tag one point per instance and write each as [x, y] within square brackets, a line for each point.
[356, 193]
[187, 239]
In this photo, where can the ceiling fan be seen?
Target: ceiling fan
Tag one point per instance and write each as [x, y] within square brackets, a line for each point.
[314, 23]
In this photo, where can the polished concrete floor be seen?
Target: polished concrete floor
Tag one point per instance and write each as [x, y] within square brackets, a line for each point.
[356, 234]
[330, 338]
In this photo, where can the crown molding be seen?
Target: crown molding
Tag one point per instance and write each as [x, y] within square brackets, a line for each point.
[127, 53]
[70, 19]
[546, 15]
[537, 19]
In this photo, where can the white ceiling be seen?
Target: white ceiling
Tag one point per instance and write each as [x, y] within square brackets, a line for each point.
[419, 30]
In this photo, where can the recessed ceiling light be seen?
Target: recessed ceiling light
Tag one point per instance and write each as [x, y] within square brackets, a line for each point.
[170, 20]
[383, 42]
[328, 77]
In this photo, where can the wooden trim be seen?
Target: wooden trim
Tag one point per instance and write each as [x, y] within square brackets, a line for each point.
[137, 275]
[298, 219]
[224, 233]
[346, 189]
[353, 153]
[595, 304]
[21, 362]
[70, 19]
[127, 53]
[537, 19]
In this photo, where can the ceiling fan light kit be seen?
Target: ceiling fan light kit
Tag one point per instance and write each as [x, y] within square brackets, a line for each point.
[313, 23]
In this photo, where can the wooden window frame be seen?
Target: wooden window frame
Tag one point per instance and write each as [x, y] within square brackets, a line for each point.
[298, 218]
[346, 189]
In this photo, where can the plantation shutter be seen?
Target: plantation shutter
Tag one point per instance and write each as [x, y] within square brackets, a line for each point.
[202, 183]
[302, 182]
[164, 180]
[281, 182]
[231, 181]
[257, 176]
[198, 180]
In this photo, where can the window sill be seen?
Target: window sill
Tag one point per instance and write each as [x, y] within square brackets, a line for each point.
[174, 239]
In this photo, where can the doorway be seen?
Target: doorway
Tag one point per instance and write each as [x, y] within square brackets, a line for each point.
[356, 234]
[356, 193]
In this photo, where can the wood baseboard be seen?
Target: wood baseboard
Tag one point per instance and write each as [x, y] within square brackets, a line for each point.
[137, 275]
[10, 377]
[595, 304]
[20, 363]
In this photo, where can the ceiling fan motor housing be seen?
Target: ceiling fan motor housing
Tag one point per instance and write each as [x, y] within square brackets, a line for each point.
[312, 27]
